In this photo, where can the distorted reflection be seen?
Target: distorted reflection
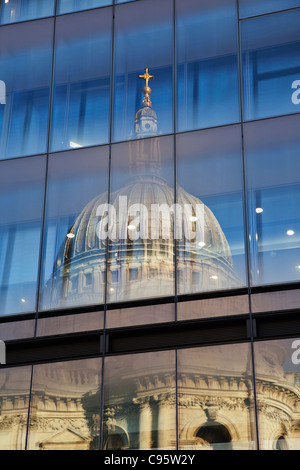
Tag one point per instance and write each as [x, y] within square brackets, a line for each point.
[215, 398]
[14, 403]
[140, 402]
[65, 406]
[141, 223]
[278, 394]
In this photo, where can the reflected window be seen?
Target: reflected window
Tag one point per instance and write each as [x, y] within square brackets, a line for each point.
[215, 398]
[214, 436]
[25, 64]
[281, 444]
[139, 401]
[143, 38]
[141, 218]
[277, 368]
[82, 80]
[207, 63]
[65, 406]
[210, 243]
[12, 11]
[14, 403]
[271, 69]
[272, 158]
[21, 210]
[67, 6]
[261, 7]
[74, 254]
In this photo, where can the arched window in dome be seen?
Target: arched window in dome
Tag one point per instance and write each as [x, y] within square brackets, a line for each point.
[281, 443]
[215, 436]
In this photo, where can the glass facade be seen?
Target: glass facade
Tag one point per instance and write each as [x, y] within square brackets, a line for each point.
[25, 63]
[13, 11]
[149, 224]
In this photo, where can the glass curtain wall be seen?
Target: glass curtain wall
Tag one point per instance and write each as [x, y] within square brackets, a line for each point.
[12, 11]
[25, 65]
[21, 211]
[207, 64]
[271, 67]
[143, 39]
[80, 116]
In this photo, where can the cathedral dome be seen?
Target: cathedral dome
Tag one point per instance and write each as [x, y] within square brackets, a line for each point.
[144, 228]
[147, 192]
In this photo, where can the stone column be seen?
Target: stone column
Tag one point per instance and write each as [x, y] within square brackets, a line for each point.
[166, 421]
[145, 423]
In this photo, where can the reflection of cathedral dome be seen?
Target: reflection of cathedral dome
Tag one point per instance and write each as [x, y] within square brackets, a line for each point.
[143, 266]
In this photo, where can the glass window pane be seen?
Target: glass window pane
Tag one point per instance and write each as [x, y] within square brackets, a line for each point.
[13, 330]
[67, 6]
[14, 403]
[275, 301]
[81, 92]
[65, 406]
[271, 67]
[65, 324]
[13, 11]
[273, 169]
[140, 402]
[147, 314]
[215, 398]
[277, 368]
[21, 209]
[144, 39]
[260, 7]
[212, 308]
[207, 63]
[141, 234]
[74, 255]
[25, 64]
[210, 237]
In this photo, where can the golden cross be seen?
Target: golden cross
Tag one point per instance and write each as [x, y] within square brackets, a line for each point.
[146, 76]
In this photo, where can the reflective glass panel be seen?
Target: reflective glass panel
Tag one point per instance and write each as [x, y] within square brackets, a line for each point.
[275, 301]
[144, 39]
[277, 367]
[21, 209]
[210, 226]
[65, 406]
[146, 314]
[11, 330]
[82, 80]
[260, 7]
[141, 227]
[74, 264]
[25, 74]
[65, 324]
[271, 69]
[67, 6]
[215, 398]
[12, 11]
[207, 63]
[14, 403]
[273, 169]
[212, 308]
[140, 402]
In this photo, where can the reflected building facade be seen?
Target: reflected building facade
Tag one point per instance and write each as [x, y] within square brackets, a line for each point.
[150, 232]
[142, 224]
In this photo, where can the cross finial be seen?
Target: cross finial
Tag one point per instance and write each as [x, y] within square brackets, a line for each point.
[146, 76]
